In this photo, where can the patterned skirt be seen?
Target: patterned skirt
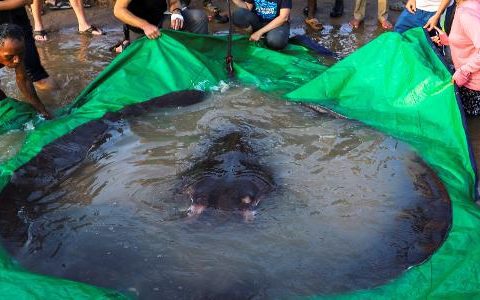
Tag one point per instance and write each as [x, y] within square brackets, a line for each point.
[470, 101]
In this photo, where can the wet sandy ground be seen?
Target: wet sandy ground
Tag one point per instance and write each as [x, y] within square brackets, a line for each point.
[335, 35]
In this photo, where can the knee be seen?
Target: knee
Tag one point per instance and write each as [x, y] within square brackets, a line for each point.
[240, 17]
[197, 21]
[197, 15]
[276, 40]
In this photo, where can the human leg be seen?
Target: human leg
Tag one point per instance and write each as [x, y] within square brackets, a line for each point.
[312, 8]
[33, 67]
[358, 13]
[337, 9]
[277, 38]
[407, 20]
[38, 30]
[311, 21]
[196, 21]
[243, 18]
[382, 15]
[83, 25]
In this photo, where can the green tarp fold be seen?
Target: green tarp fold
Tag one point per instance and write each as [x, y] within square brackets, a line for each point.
[396, 84]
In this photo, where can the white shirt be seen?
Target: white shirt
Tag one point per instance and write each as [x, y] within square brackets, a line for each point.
[430, 5]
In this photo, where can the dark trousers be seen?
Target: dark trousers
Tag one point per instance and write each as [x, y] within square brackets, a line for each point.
[195, 21]
[275, 39]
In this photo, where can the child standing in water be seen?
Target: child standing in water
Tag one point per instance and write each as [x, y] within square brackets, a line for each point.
[464, 42]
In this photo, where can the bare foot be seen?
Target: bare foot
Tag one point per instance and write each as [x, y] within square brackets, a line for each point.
[385, 24]
[354, 23]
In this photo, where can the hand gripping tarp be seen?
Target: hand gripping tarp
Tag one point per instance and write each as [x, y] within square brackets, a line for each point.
[396, 84]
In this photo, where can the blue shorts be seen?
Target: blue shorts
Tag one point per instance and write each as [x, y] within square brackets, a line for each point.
[407, 20]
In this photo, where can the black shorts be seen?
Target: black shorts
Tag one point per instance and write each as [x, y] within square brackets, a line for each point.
[470, 101]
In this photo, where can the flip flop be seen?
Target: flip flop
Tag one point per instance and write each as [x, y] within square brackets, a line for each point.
[58, 5]
[314, 24]
[40, 35]
[90, 31]
[120, 46]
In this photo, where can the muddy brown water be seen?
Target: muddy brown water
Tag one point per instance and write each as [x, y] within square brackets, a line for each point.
[352, 208]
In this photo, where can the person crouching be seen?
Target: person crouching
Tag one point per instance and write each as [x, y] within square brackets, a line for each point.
[270, 18]
[12, 50]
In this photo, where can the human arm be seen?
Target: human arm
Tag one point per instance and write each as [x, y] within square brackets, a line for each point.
[433, 21]
[411, 6]
[441, 39]
[12, 4]
[176, 19]
[27, 89]
[121, 12]
[283, 17]
[470, 25]
[243, 4]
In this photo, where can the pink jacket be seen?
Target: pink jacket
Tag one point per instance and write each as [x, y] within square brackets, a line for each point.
[464, 43]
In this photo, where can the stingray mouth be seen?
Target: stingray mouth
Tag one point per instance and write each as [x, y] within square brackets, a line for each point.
[236, 195]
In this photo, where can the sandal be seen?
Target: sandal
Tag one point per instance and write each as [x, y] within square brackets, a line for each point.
[60, 4]
[40, 35]
[355, 24]
[314, 24]
[386, 25]
[91, 31]
[120, 46]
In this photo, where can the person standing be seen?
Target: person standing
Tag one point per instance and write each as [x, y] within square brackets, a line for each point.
[464, 42]
[84, 26]
[359, 14]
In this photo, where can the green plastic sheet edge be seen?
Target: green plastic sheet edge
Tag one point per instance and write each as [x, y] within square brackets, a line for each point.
[396, 84]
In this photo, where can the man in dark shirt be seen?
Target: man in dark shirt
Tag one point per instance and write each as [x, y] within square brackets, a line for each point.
[12, 51]
[267, 17]
[145, 17]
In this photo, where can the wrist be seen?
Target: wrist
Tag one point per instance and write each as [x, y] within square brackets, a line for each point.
[176, 10]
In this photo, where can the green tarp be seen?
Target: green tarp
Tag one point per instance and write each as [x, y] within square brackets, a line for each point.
[396, 84]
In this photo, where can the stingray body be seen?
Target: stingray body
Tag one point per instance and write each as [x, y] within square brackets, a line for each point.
[229, 177]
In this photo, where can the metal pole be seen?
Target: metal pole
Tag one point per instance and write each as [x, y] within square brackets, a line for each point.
[229, 58]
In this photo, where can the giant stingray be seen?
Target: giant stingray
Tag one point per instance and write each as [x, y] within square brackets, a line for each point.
[229, 178]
